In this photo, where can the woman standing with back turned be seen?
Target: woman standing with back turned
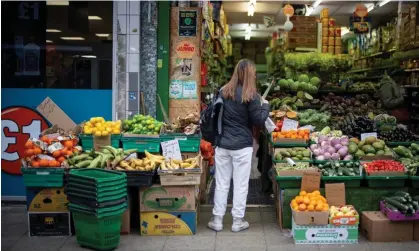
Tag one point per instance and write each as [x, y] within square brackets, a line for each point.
[243, 109]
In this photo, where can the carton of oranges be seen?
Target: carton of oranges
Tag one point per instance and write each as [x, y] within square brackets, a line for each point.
[50, 150]
[311, 202]
[300, 134]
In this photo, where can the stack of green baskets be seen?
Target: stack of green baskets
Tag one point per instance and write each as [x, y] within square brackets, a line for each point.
[97, 199]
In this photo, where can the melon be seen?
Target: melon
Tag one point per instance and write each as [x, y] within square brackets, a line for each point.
[283, 84]
[294, 86]
[290, 82]
[303, 86]
[315, 81]
[303, 78]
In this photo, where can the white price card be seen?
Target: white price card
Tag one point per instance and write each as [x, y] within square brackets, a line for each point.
[171, 150]
[370, 134]
[289, 124]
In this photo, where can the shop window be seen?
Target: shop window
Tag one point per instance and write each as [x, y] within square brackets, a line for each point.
[57, 44]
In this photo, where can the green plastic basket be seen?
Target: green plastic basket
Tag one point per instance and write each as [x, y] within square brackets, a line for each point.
[98, 232]
[386, 181]
[88, 192]
[97, 199]
[415, 181]
[96, 211]
[115, 186]
[87, 141]
[96, 176]
[350, 181]
[289, 181]
[90, 185]
[142, 144]
[43, 177]
[187, 143]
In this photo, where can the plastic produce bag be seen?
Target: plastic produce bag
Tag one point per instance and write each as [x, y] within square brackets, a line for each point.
[270, 125]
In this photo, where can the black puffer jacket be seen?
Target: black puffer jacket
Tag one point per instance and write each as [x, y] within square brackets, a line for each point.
[238, 119]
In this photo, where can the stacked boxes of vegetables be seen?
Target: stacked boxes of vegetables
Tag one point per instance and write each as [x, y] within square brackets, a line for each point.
[400, 207]
[409, 157]
[385, 173]
[98, 127]
[348, 172]
[97, 199]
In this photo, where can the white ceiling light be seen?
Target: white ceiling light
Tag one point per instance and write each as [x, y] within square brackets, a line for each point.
[49, 41]
[309, 11]
[251, 8]
[95, 18]
[317, 3]
[102, 34]
[57, 3]
[371, 7]
[72, 38]
[247, 37]
[53, 30]
[248, 29]
[88, 56]
[382, 3]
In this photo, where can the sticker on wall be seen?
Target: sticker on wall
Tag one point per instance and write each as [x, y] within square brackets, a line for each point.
[183, 89]
[185, 50]
[18, 124]
[188, 23]
[185, 65]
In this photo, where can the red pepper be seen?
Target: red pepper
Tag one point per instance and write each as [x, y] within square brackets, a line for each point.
[384, 165]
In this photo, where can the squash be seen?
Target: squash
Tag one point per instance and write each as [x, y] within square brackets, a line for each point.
[291, 114]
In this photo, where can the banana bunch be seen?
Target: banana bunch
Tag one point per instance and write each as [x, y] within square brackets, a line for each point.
[148, 163]
[190, 163]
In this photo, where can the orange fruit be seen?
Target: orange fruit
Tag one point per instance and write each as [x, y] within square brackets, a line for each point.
[306, 201]
[28, 144]
[61, 159]
[310, 207]
[295, 207]
[302, 207]
[319, 208]
[299, 199]
[37, 150]
[302, 193]
[316, 192]
[313, 202]
[56, 153]
[29, 152]
[68, 144]
[294, 201]
[64, 151]
[34, 163]
[43, 163]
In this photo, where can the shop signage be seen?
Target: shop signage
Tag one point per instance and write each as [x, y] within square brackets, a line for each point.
[361, 10]
[18, 124]
[171, 150]
[183, 89]
[188, 21]
[185, 65]
[288, 10]
[185, 50]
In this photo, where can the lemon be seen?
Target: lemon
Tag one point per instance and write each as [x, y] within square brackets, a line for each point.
[105, 133]
[101, 119]
[92, 120]
[116, 131]
[94, 130]
[88, 123]
[88, 131]
[98, 133]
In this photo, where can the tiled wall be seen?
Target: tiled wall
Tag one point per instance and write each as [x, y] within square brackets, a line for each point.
[136, 51]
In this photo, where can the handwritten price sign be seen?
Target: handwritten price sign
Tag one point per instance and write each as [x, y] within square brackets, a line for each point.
[18, 124]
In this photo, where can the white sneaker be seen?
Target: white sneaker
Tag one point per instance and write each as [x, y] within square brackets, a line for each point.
[216, 223]
[239, 224]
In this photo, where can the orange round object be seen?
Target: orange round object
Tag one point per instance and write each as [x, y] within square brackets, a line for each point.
[64, 151]
[302, 207]
[306, 201]
[310, 207]
[34, 163]
[44, 139]
[54, 163]
[29, 152]
[56, 154]
[28, 144]
[68, 144]
[43, 162]
[69, 153]
[61, 159]
[37, 150]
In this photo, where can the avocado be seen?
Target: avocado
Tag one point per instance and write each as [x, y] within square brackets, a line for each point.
[370, 140]
[380, 152]
[368, 149]
[361, 143]
[378, 146]
[359, 153]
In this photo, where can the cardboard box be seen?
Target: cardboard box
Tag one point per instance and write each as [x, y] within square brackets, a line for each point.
[168, 223]
[416, 230]
[126, 218]
[55, 115]
[327, 234]
[378, 228]
[170, 198]
[49, 224]
[182, 177]
[46, 200]
[203, 182]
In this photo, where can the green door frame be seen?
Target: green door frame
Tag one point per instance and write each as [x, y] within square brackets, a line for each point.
[163, 52]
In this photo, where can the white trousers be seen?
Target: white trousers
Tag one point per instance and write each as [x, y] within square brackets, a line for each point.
[237, 165]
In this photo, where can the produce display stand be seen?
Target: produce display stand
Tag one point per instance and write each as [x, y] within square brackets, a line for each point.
[408, 143]
[414, 181]
[386, 181]
[43, 177]
[142, 143]
[349, 181]
[187, 143]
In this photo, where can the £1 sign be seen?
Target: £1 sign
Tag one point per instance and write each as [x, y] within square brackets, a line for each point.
[18, 124]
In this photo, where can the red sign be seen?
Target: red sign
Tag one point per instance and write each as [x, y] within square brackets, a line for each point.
[185, 50]
[361, 10]
[18, 124]
[288, 10]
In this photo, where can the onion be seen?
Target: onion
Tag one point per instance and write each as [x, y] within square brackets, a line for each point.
[338, 146]
[325, 143]
[323, 138]
[335, 156]
[331, 149]
[334, 141]
[317, 152]
[320, 157]
[344, 141]
[343, 151]
[313, 147]
[348, 157]
[327, 156]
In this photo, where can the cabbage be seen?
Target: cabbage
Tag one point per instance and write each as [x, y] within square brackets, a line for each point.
[335, 156]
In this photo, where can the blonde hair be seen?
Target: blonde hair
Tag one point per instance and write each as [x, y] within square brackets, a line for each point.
[245, 75]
